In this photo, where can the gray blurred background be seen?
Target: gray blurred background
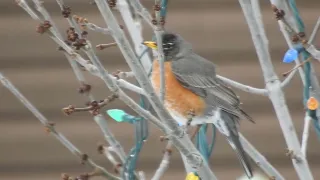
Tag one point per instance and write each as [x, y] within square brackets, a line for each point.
[217, 30]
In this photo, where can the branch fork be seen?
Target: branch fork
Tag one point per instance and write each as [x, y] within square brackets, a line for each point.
[292, 155]
[43, 27]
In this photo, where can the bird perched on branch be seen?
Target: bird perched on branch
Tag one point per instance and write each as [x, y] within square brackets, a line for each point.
[191, 85]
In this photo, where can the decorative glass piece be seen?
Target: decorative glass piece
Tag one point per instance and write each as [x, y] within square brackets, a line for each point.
[312, 103]
[117, 114]
[290, 56]
[192, 176]
[121, 116]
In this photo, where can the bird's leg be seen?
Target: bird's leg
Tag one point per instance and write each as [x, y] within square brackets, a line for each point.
[194, 133]
[191, 114]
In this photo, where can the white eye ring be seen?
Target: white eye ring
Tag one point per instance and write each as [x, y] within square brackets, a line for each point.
[168, 45]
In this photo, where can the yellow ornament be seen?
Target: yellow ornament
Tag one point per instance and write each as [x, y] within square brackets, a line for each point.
[192, 176]
[312, 103]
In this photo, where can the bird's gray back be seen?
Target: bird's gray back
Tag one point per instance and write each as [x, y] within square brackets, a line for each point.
[199, 76]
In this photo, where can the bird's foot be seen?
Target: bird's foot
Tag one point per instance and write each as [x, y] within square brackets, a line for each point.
[190, 116]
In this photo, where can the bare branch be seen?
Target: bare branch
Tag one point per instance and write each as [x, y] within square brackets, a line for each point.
[72, 55]
[305, 135]
[276, 95]
[243, 87]
[314, 31]
[175, 135]
[164, 162]
[285, 33]
[135, 32]
[93, 106]
[142, 11]
[313, 51]
[52, 130]
[158, 30]
[179, 138]
[100, 120]
[259, 159]
[23, 4]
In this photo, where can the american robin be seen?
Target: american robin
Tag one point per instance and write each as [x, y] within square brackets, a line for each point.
[191, 85]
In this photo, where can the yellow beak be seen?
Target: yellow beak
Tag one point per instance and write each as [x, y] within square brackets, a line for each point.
[150, 44]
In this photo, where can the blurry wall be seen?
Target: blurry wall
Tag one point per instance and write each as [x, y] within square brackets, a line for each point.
[218, 32]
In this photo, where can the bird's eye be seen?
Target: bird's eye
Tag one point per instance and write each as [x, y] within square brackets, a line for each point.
[168, 46]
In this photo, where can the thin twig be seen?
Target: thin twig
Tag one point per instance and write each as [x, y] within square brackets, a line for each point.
[289, 77]
[85, 23]
[297, 66]
[104, 46]
[61, 138]
[107, 153]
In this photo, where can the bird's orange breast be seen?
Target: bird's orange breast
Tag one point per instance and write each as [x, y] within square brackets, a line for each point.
[177, 97]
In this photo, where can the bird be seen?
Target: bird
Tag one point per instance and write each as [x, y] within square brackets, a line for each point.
[191, 84]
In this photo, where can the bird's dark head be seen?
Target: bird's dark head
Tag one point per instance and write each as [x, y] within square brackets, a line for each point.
[170, 43]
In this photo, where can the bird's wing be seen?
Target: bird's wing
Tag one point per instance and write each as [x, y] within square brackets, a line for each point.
[199, 75]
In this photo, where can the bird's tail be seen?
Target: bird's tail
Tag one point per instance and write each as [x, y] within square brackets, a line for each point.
[233, 139]
[242, 156]
[246, 116]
